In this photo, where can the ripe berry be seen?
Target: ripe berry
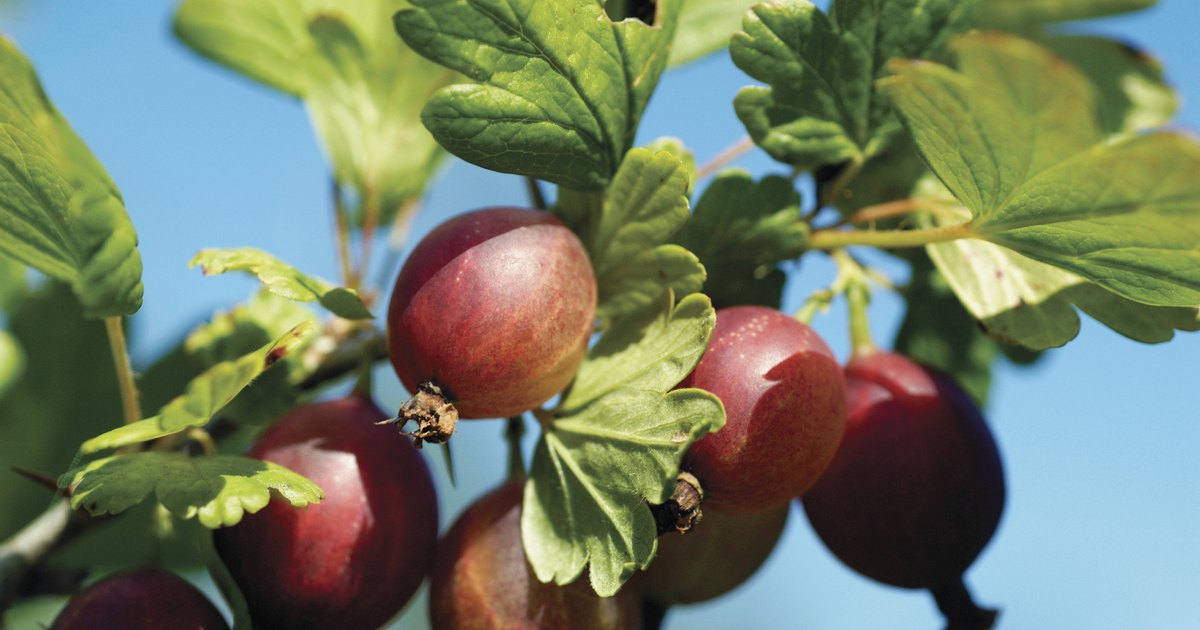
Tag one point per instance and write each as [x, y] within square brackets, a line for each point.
[785, 406]
[716, 556]
[481, 579]
[355, 559]
[145, 599]
[494, 309]
[917, 488]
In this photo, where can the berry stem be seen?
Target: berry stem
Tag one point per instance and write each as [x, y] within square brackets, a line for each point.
[839, 184]
[342, 231]
[536, 197]
[960, 610]
[129, 394]
[653, 615]
[225, 582]
[513, 433]
[853, 282]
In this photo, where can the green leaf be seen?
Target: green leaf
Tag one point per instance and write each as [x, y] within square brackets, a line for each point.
[12, 283]
[675, 147]
[937, 331]
[217, 490]
[1018, 14]
[1011, 137]
[205, 395]
[363, 87]
[1022, 301]
[592, 473]
[59, 211]
[67, 393]
[1133, 94]
[12, 361]
[653, 350]
[559, 90]
[820, 106]
[282, 279]
[627, 240]
[705, 27]
[242, 330]
[740, 221]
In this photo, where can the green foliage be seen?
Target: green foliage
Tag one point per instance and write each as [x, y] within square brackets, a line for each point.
[205, 396]
[282, 279]
[1122, 214]
[12, 283]
[653, 349]
[66, 394]
[740, 229]
[627, 239]
[558, 87]
[216, 490]
[59, 211]
[1022, 301]
[363, 87]
[821, 106]
[1017, 14]
[615, 443]
[705, 26]
[1132, 93]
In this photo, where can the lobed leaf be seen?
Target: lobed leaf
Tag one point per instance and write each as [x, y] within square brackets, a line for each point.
[738, 221]
[59, 211]
[652, 350]
[820, 106]
[593, 472]
[205, 395]
[1018, 14]
[1022, 301]
[363, 87]
[645, 204]
[559, 87]
[282, 279]
[217, 490]
[1005, 135]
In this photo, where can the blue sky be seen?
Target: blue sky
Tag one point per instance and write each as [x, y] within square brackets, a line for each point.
[1101, 441]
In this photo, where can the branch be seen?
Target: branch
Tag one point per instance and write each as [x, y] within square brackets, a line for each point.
[29, 547]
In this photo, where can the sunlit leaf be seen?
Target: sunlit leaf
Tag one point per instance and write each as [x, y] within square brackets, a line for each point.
[1013, 134]
[205, 395]
[218, 491]
[59, 211]
[282, 279]
[559, 87]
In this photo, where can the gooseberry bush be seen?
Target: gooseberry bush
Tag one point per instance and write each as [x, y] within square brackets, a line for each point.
[630, 318]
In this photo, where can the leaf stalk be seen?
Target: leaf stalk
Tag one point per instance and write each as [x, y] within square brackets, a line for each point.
[130, 404]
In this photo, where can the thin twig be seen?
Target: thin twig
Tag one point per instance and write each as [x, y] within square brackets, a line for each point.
[536, 196]
[370, 212]
[29, 547]
[342, 233]
[729, 154]
[130, 404]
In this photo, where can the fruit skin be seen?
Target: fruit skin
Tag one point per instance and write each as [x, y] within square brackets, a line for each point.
[481, 579]
[719, 554]
[785, 407]
[355, 559]
[496, 307]
[917, 488]
[144, 599]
